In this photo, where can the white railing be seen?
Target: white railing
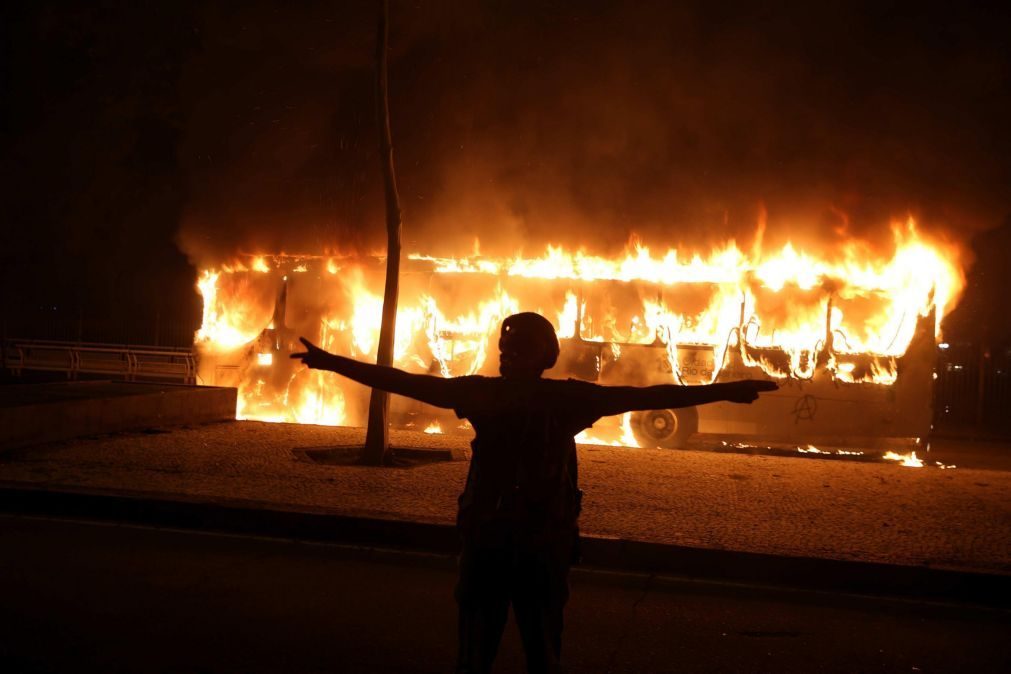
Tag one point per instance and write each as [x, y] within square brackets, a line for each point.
[132, 363]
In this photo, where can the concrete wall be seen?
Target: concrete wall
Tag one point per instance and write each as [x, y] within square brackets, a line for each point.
[39, 413]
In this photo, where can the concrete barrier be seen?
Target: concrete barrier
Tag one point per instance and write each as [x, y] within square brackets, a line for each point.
[33, 414]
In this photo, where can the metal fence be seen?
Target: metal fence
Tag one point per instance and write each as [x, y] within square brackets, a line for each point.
[973, 390]
[131, 363]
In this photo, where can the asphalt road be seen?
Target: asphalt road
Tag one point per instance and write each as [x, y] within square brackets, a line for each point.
[84, 597]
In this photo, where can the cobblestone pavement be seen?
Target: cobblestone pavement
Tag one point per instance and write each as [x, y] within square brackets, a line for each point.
[958, 519]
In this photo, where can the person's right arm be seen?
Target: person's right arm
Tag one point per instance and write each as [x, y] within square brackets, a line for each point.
[610, 400]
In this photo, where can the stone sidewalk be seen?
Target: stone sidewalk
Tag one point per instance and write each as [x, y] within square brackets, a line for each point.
[835, 510]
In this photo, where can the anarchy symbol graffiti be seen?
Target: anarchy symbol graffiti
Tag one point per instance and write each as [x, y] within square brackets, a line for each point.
[805, 408]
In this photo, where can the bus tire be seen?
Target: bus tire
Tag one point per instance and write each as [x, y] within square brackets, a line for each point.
[665, 429]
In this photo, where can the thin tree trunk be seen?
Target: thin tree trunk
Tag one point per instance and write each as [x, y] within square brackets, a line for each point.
[377, 440]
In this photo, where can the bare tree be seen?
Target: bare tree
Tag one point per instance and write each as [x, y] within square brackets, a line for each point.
[377, 438]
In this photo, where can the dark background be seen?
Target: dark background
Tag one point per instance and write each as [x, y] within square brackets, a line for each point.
[141, 139]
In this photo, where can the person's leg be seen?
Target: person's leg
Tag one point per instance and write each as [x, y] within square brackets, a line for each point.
[483, 597]
[540, 592]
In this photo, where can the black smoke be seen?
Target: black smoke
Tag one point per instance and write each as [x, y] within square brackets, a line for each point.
[216, 128]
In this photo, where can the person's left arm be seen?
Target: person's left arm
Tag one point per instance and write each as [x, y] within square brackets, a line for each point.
[449, 393]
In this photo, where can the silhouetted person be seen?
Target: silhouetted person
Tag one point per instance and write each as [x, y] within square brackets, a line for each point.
[518, 512]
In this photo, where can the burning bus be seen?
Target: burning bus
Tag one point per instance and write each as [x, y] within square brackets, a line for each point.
[851, 339]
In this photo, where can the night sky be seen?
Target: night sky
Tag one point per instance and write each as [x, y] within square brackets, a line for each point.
[140, 140]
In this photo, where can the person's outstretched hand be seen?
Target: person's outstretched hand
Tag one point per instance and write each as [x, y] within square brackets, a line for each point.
[747, 390]
[313, 356]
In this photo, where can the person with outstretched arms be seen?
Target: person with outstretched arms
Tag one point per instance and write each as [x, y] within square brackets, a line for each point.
[518, 513]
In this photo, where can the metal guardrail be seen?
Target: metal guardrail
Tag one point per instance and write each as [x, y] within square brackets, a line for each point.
[973, 390]
[132, 363]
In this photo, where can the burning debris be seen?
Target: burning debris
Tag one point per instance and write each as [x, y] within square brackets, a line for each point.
[850, 337]
[909, 460]
[811, 449]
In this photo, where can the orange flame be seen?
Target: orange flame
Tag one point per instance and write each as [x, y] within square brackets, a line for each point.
[788, 312]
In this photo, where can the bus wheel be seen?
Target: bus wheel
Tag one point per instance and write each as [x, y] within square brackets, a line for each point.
[668, 429]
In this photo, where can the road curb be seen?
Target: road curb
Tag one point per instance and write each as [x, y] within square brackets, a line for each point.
[235, 516]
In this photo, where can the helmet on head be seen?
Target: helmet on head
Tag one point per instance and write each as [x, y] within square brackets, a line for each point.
[530, 326]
